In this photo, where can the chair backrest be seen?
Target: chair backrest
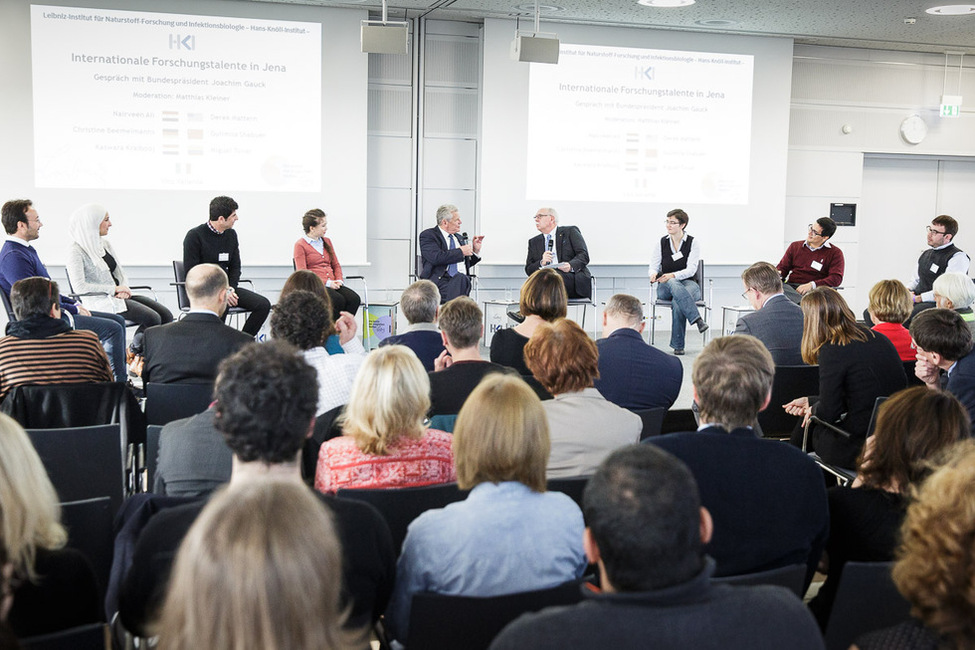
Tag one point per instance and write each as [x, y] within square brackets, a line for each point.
[873, 415]
[168, 402]
[89, 525]
[443, 422]
[571, 487]
[789, 383]
[84, 637]
[179, 274]
[912, 378]
[792, 577]
[678, 420]
[653, 421]
[400, 506]
[326, 428]
[699, 275]
[447, 622]
[82, 462]
[866, 600]
[7, 306]
[153, 433]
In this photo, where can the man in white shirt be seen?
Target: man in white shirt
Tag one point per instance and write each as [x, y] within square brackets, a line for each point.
[447, 256]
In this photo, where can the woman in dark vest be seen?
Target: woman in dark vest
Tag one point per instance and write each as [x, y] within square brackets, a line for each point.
[672, 266]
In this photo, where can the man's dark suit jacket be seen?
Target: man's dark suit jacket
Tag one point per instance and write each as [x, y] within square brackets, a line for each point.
[778, 324]
[427, 345]
[569, 247]
[450, 387]
[767, 499]
[635, 375]
[189, 350]
[961, 382]
[436, 257]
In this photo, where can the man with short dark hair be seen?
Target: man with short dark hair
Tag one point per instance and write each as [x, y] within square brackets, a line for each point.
[942, 256]
[189, 350]
[777, 322]
[632, 374]
[446, 256]
[812, 262]
[945, 355]
[265, 407]
[646, 531]
[19, 260]
[460, 368]
[41, 348]
[763, 517]
[215, 242]
[420, 304]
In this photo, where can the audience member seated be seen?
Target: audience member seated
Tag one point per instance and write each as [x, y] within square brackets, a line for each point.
[258, 569]
[41, 348]
[935, 570]
[812, 262]
[889, 307]
[315, 252]
[384, 442]
[53, 587]
[583, 425]
[265, 405]
[94, 267]
[632, 374]
[308, 281]
[646, 531]
[189, 350]
[913, 426]
[509, 535]
[194, 460]
[543, 299]
[460, 367]
[956, 291]
[856, 366]
[767, 499]
[776, 321]
[303, 319]
[945, 358]
[420, 304]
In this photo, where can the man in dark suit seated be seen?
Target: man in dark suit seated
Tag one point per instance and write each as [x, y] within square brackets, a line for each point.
[447, 256]
[562, 248]
[420, 304]
[776, 321]
[632, 374]
[266, 398]
[460, 368]
[647, 532]
[190, 349]
[768, 499]
[945, 355]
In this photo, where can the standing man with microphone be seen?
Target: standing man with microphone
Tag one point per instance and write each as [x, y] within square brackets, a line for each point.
[562, 248]
[442, 249]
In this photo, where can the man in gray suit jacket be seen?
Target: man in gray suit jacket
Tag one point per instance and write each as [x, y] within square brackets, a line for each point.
[776, 321]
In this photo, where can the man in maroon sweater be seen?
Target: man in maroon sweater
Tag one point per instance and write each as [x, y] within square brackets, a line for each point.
[812, 263]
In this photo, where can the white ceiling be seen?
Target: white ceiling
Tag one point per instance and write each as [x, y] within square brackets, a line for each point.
[875, 24]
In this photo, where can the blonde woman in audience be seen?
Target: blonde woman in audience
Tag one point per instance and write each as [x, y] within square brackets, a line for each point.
[913, 426]
[53, 586]
[385, 443]
[543, 299]
[935, 570]
[889, 307]
[509, 535]
[956, 291]
[585, 426]
[260, 569]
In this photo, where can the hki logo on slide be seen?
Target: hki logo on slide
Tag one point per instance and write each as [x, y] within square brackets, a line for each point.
[643, 74]
[178, 42]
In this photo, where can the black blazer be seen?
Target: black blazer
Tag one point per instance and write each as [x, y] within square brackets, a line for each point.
[189, 350]
[571, 248]
[437, 256]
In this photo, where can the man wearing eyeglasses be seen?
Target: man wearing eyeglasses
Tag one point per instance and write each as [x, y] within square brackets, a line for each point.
[941, 257]
[563, 249]
[812, 262]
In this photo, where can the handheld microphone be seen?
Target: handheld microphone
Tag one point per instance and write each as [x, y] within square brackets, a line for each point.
[462, 238]
[551, 244]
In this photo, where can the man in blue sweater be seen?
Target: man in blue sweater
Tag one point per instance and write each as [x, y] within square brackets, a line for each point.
[19, 260]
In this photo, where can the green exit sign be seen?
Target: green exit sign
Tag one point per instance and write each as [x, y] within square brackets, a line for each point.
[950, 110]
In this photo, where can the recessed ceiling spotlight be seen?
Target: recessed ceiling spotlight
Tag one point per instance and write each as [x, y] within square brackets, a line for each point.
[951, 10]
[544, 9]
[716, 22]
[665, 3]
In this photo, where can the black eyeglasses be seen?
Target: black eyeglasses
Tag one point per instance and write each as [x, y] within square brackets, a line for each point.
[930, 229]
[818, 234]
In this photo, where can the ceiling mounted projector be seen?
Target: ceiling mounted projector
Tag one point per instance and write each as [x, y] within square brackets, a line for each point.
[381, 37]
[535, 48]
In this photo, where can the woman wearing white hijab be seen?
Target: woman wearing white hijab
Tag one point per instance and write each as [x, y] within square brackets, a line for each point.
[93, 267]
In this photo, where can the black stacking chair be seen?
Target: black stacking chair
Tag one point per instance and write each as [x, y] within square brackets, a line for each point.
[792, 577]
[866, 600]
[89, 526]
